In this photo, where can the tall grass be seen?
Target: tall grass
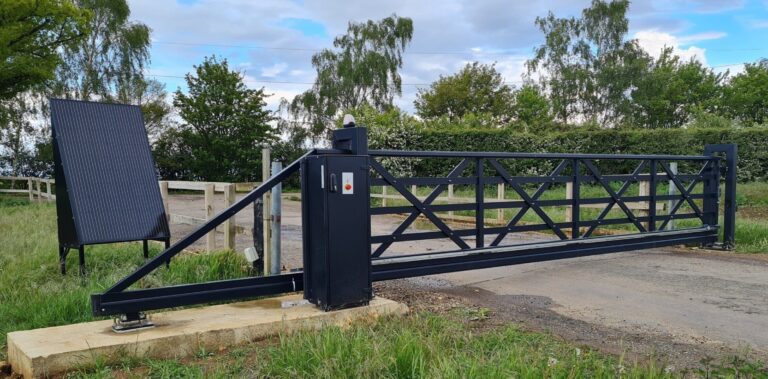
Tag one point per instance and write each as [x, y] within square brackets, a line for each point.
[33, 294]
[423, 345]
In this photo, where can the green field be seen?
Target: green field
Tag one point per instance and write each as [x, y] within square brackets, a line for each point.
[33, 294]
[752, 217]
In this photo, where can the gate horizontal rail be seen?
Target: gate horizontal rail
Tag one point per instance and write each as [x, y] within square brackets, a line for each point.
[697, 198]
[575, 169]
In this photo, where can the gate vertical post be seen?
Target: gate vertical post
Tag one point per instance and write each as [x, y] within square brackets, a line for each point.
[576, 194]
[479, 203]
[729, 202]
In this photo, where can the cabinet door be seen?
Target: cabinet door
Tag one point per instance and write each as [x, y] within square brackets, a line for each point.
[348, 230]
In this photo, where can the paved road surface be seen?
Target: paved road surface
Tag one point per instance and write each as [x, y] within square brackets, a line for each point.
[703, 298]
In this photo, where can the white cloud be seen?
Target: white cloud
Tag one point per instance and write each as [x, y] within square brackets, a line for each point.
[758, 24]
[452, 32]
[654, 41]
[701, 37]
[274, 70]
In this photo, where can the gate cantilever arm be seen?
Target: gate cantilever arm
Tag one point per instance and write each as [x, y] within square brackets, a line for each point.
[207, 227]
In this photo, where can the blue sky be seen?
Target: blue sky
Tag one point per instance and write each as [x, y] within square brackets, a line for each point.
[272, 41]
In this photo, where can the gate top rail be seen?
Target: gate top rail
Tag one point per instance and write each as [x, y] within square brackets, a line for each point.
[476, 154]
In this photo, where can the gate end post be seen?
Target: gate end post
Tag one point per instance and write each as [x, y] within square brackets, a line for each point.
[730, 152]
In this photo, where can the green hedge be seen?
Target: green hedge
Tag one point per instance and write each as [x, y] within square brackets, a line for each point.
[752, 144]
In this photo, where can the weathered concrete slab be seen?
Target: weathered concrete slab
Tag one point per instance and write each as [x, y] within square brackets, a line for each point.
[49, 351]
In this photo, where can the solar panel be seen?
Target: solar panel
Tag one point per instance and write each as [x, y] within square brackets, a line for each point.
[106, 185]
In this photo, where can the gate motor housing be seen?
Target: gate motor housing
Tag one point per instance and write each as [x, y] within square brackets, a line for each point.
[336, 226]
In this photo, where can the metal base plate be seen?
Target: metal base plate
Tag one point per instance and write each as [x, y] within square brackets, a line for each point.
[123, 325]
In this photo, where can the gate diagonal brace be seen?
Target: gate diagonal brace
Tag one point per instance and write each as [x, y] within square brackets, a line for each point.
[616, 198]
[685, 193]
[521, 212]
[420, 207]
[531, 203]
[621, 191]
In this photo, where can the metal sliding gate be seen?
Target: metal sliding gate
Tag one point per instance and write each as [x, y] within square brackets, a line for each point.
[342, 255]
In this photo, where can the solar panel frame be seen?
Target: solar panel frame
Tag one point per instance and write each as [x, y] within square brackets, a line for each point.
[106, 182]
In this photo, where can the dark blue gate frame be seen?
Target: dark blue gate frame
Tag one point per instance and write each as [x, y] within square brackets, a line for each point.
[130, 303]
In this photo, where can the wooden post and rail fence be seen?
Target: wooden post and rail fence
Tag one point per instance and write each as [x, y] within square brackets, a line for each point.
[34, 188]
[641, 207]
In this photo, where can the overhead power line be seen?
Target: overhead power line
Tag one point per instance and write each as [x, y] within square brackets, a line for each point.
[505, 52]
[410, 52]
[304, 83]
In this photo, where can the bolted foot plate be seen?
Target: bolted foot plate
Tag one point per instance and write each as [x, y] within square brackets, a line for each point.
[130, 323]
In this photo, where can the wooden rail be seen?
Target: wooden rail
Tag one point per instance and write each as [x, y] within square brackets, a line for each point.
[641, 206]
[34, 187]
[229, 190]
[210, 189]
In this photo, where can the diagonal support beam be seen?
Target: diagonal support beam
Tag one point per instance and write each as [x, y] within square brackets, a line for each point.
[202, 230]
[616, 198]
[521, 212]
[685, 193]
[621, 191]
[421, 208]
[529, 202]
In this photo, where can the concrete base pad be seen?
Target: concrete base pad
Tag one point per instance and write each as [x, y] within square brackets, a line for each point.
[50, 351]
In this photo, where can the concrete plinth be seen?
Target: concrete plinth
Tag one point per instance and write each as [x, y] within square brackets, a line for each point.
[50, 351]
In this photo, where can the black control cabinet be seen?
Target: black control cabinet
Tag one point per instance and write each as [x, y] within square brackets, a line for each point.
[336, 231]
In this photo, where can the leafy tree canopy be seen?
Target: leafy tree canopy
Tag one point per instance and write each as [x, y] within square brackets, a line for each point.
[31, 32]
[746, 96]
[150, 95]
[362, 69]
[673, 90]
[586, 64]
[477, 89]
[531, 108]
[225, 125]
[112, 55]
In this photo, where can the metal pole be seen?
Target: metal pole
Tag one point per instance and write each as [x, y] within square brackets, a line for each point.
[277, 192]
[671, 191]
[267, 218]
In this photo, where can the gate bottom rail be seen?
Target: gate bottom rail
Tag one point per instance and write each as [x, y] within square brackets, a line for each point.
[396, 268]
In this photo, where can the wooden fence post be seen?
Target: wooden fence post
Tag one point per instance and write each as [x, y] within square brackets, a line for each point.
[568, 196]
[38, 184]
[645, 206]
[383, 196]
[500, 196]
[671, 190]
[30, 190]
[450, 198]
[229, 225]
[210, 238]
[48, 189]
[164, 197]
